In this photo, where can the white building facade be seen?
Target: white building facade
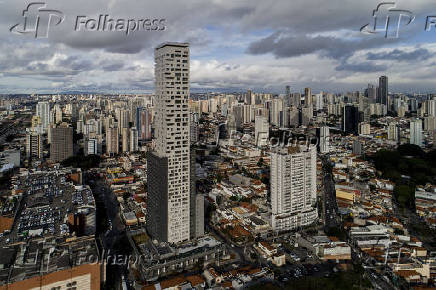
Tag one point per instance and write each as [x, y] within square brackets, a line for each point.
[170, 195]
[293, 187]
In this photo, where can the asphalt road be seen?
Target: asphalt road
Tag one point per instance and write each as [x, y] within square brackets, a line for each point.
[113, 234]
[330, 205]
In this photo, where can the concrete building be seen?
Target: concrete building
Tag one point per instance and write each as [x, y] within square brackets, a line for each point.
[293, 187]
[323, 136]
[393, 131]
[61, 146]
[125, 140]
[357, 147]
[43, 112]
[261, 131]
[123, 118]
[34, 145]
[382, 96]
[364, 128]
[294, 117]
[91, 147]
[416, 132]
[143, 123]
[276, 109]
[350, 119]
[112, 141]
[168, 200]
[307, 97]
[133, 142]
[430, 124]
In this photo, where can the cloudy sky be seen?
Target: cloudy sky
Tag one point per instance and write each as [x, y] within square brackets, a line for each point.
[235, 45]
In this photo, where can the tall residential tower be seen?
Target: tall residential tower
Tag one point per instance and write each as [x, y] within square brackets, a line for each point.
[293, 187]
[168, 205]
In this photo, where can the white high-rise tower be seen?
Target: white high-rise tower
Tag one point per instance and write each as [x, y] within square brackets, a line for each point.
[168, 179]
[416, 132]
[293, 187]
[43, 112]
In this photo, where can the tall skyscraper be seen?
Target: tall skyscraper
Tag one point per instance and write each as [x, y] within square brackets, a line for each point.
[143, 120]
[34, 145]
[371, 93]
[261, 133]
[350, 119]
[125, 140]
[307, 97]
[416, 132]
[133, 142]
[287, 98]
[168, 174]
[293, 187]
[357, 147]
[43, 112]
[248, 98]
[323, 136]
[393, 132]
[383, 90]
[194, 128]
[123, 119]
[364, 128]
[319, 101]
[91, 147]
[112, 141]
[296, 100]
[294, 116]
[276, 108]
[61, 146]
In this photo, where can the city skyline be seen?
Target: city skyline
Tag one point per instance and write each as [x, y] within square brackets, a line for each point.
[217, 145]
[236, 46]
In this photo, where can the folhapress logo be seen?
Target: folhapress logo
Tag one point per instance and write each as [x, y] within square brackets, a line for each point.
[388, 19]
[37, 20]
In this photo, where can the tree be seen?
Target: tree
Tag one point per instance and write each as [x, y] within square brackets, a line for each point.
[405, 195]
[410, 150]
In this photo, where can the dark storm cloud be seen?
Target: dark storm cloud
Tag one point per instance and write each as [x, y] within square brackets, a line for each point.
[283, 45]
[399, 55]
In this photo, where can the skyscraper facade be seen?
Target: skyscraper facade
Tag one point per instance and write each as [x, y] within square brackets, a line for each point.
[43, 112]
[393, 131]
[323, 136]
[133, 142]
[382, 95]
[261, 131]
[293, 187]
[143, 120]
[416, 132]
[168, 200]
[350, 119]
[112, 141]
[61, 146]
[34, 145]
[307, 97]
